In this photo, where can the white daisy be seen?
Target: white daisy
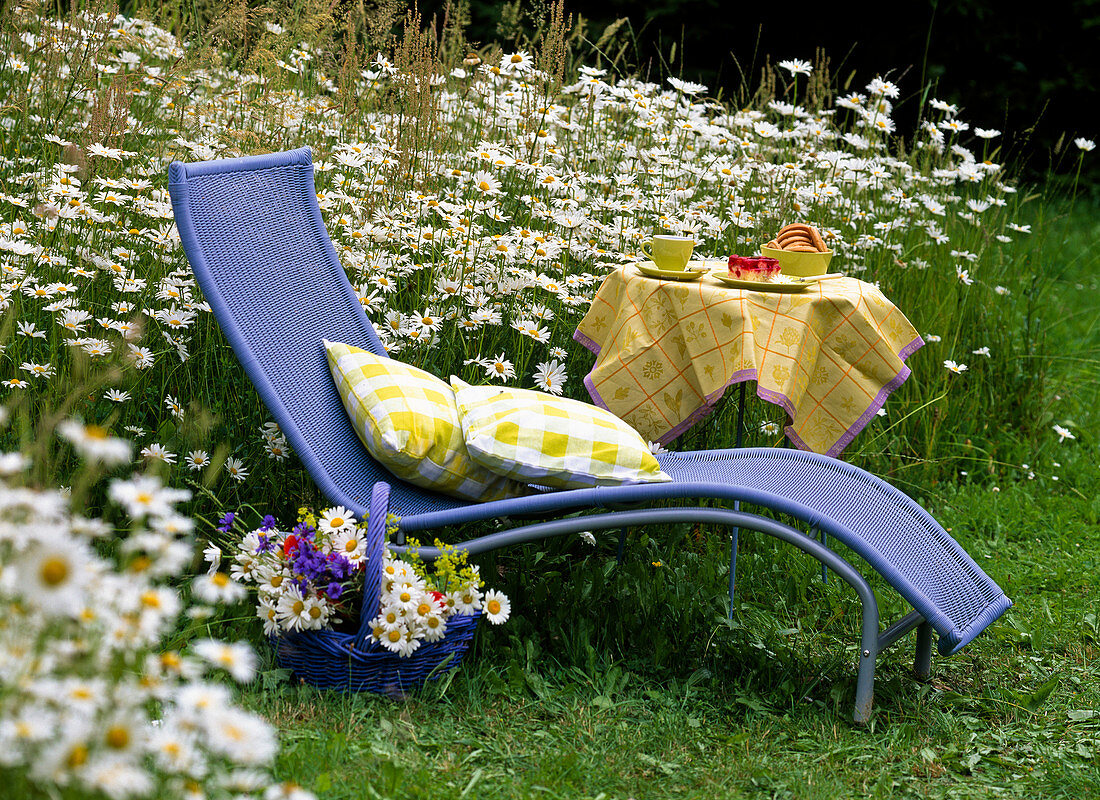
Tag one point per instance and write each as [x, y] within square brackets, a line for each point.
[291, 609]
[336, 519]
[217, 588]
[392, 639]
[238, 659]
[550, 377]
[349, 543]
[467, 600]
[236, 469]
[51, 575]
[316, 613]
[496, 607]
[197, 460]
[94, 443]
[1063, 433]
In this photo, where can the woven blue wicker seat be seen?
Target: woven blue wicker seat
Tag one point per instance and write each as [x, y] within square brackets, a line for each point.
[252, 230]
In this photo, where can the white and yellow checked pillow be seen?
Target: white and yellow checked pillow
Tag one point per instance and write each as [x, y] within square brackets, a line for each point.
[536, 437]
[407, 419]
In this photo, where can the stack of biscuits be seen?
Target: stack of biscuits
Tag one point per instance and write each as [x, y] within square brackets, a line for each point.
[799, 237]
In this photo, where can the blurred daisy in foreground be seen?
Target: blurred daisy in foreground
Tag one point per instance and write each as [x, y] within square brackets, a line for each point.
[94, 443]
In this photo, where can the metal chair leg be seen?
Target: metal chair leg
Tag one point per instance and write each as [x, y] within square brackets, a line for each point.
[622, 546]
[922, 664]
[865, 686]
[869, 649]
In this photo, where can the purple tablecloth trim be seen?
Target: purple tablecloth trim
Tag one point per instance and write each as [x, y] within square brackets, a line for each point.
[591, 345]
[767, 395]
[911, 348]
[596, 399]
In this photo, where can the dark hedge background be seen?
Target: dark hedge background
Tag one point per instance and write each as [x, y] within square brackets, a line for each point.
[1031, 74]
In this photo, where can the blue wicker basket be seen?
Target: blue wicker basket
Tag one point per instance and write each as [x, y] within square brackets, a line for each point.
[354, 661]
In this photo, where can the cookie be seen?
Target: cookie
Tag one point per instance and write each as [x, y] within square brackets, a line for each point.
[791, 240]
[819, 243]
[800, 234]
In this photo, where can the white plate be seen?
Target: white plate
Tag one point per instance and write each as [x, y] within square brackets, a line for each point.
[781, 282]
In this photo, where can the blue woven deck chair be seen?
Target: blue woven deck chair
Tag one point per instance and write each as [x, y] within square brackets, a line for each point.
[252, 230]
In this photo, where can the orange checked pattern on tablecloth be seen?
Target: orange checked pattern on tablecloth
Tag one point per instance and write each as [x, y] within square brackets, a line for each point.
[667, 351]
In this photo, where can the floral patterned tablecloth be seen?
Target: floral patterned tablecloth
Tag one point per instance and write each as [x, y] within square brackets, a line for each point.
[667, 351]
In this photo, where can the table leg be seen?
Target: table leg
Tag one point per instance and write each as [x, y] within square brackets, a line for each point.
[733, 565]
[740, 413]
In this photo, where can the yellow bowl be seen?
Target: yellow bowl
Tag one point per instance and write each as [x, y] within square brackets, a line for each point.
[801, 265]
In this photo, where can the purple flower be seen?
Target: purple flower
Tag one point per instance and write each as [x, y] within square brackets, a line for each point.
[226, 522]
[266, 545]
[340, 566]
[268, 523]
[304, 532]
[334, 591]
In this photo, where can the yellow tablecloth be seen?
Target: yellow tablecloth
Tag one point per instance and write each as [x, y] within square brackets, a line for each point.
[666, 352]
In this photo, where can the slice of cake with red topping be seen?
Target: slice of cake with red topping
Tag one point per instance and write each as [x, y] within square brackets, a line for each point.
[750, 268]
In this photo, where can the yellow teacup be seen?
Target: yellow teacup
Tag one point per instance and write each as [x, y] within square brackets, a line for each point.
[669, 252]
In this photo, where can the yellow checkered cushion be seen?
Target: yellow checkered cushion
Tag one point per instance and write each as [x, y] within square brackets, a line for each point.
[407, 419]
[536, 437]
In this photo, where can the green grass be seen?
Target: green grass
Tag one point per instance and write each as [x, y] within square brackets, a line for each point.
[582, 707]
[1016, 711]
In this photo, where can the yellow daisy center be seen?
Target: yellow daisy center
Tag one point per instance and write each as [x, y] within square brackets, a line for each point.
[55, 571]
[117, 737]
[77, 756]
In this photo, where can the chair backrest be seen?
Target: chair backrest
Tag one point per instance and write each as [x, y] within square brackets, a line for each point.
[252, 230]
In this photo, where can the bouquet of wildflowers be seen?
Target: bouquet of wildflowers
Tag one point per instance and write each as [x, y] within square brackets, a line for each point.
[313, 577]
[301, 577]
[416, 601]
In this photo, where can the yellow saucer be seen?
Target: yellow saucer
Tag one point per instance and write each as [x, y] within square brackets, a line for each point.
[651, 269]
